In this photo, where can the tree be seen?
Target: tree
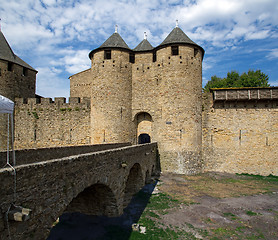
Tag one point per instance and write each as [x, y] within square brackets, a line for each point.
[233, 79]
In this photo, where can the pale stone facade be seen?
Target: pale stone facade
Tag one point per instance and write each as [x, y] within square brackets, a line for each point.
[240, 131]
[148, 91]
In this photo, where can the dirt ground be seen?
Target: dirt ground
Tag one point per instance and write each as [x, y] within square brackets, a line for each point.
[219, 206]
[207, 206]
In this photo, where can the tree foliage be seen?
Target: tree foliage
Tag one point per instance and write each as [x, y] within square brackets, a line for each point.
[233, 79]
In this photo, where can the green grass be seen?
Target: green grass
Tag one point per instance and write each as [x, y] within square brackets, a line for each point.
[250, 213]
[269, 178]
[158, 205]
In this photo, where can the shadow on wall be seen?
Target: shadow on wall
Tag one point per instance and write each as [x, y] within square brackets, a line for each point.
[74, 226]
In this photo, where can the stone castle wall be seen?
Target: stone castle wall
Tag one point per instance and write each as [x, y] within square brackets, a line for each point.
[169, 89]
[14, 83]
[240, 131]
[80, 84]
[43, 123]
[110, 91]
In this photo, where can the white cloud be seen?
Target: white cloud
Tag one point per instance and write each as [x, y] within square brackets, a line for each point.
[58, 35]
[273, 53]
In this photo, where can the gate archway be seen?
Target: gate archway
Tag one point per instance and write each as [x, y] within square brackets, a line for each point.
[144, 127]
[144, 138]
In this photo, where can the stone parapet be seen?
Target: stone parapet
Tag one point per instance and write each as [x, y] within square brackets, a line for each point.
[243, 94]
[27, 156]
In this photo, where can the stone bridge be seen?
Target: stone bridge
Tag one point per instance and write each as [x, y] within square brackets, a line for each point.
[96, 183]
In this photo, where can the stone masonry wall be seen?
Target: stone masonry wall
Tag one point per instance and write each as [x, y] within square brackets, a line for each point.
[111, 97]
[169, 89]
[14, 84]
[49, 187]
[80, 84]
[240, 136]
[50, 124]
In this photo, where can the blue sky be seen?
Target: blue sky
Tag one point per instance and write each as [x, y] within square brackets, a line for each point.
[56, 36]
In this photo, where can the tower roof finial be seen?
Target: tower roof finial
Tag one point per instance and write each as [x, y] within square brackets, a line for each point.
[145, 35]
[116, 28]
[177, 23]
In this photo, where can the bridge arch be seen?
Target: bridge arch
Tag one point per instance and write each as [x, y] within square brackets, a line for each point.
[134, 183]
[97, 199]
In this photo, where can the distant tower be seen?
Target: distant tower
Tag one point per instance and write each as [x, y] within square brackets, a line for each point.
[111, 91]
[17, 79]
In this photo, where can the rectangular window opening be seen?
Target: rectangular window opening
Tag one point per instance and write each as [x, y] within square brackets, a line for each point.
[25, 71]
[175, 50]
[154, 57]
[132, 58]
[107, 54]
[10, 66]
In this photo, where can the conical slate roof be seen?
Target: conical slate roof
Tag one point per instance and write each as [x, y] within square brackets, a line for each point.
[143, 46]
[114, 41]
[6, 53]
[177, 36]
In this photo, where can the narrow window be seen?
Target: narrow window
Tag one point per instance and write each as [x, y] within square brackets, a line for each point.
[107, 54]
[154, 56]
[25, 71]
[10, 66]
[0, 72]
[175, 50]
[132, 58]
[195, 52]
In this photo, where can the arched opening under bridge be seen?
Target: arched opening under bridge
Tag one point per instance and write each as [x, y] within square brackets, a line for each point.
[97, 199]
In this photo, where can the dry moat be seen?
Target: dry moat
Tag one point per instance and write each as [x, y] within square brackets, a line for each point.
[206, 206]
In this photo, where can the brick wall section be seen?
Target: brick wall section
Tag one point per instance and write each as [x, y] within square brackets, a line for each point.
[240, 135]
[49, 187]
[50, 124]
[26, 156]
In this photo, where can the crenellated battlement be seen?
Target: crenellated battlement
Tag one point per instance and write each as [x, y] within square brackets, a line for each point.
[59, 102]
[41, 122]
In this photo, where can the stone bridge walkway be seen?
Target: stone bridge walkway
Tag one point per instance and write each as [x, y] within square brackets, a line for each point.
[98, 183]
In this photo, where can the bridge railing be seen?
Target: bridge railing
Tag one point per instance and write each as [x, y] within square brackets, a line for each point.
[26, 156]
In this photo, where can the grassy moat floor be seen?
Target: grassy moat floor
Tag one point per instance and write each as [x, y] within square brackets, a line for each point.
[207, 206]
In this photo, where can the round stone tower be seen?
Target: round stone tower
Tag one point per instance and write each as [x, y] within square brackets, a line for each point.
[178, 61]
[17, 79]
[111, 91]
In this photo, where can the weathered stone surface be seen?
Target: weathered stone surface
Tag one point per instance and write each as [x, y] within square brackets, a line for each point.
[240, 136]
[25, 156]
[93, 183]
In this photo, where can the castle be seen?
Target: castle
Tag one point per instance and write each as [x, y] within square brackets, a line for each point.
[148, 94]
